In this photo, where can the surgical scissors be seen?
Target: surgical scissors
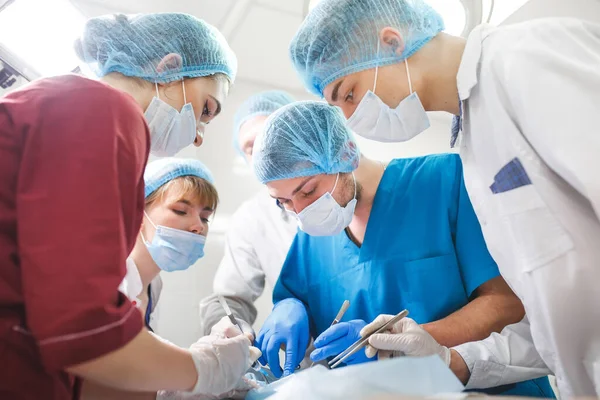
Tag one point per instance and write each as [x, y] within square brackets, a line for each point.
[363, 341]
[229, 313]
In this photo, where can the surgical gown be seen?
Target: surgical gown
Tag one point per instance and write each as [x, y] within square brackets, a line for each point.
[423, 250]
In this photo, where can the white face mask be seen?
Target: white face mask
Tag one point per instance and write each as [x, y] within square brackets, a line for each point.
[325, 217]
[170, 130]
[373, 119]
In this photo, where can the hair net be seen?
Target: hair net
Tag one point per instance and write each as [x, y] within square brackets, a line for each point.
[164, 170]
[135, 45]
[304, 139]
[264, 103]
[339, 37]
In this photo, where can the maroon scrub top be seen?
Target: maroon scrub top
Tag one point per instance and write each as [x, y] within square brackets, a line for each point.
[72, 156]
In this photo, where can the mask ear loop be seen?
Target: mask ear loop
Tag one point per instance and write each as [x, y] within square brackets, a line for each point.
[142, 233]
[408, 75]
[336, 181]
[184, 98]
[156, 86]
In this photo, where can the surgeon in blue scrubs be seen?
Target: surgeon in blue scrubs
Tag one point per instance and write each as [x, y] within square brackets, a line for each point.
[384, 236]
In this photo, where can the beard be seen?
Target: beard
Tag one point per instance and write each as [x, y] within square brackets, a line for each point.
[348, 187]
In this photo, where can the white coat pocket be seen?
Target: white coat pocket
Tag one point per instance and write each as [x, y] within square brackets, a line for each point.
[536, 234]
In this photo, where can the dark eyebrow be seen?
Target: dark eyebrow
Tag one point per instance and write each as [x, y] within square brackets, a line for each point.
[336, 88]
[218, 106]
[296, 190]
[300, 186]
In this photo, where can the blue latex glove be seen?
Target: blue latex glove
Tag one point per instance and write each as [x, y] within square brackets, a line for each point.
[337, 339]
[286, 326]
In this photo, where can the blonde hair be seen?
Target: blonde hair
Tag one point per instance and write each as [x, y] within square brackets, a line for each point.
[188, 187]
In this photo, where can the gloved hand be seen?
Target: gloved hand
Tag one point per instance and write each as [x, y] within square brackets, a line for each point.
[338, 338]
[286, 326]
[405, 337]
[225, 323]
[221, 359]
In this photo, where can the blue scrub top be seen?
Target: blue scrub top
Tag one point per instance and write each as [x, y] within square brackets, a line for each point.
[423, 251]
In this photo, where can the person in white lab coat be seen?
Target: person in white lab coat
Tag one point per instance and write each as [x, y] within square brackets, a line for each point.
[180, 197]
[526, 99]
[260, 234]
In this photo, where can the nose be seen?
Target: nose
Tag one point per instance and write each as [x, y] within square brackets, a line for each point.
[199, 228]
[200, 129]
[297, 207]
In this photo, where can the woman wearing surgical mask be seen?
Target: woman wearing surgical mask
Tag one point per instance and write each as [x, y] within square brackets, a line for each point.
[525, 103]
[180, 197]
[72, 157]
[180, 83]
[179, 200]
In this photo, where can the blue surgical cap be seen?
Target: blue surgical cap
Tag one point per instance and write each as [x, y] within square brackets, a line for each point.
[164, 170]
[340, 37]
[264, 103]
[135, 46]
[304, 139]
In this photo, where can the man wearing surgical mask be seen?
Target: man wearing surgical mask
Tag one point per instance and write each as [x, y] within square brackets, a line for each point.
[529, 151]
[385, 236]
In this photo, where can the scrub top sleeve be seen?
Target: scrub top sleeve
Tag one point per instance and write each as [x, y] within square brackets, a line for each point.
[292, 281]
[80, 201]
[503, 358]
[558, 110]
[475, 263]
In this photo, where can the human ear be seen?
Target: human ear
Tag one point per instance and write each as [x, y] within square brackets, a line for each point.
[392, 39]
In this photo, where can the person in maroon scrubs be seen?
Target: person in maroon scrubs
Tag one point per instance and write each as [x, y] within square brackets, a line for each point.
[72, 157]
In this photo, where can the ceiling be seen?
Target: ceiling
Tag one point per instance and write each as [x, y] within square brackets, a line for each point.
[259, 31]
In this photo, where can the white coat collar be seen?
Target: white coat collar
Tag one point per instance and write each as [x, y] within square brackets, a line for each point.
[132, 285]
[468, 70]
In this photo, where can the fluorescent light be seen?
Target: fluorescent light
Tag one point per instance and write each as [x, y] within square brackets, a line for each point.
[41, 33]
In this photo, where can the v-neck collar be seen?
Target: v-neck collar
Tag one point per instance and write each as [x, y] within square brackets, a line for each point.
[383, 191]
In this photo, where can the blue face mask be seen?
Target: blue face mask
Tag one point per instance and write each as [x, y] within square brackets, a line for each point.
[174, 249]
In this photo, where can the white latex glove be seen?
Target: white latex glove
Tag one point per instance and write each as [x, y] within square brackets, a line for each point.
[405, 337]
[224, 324]
[221, 359]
